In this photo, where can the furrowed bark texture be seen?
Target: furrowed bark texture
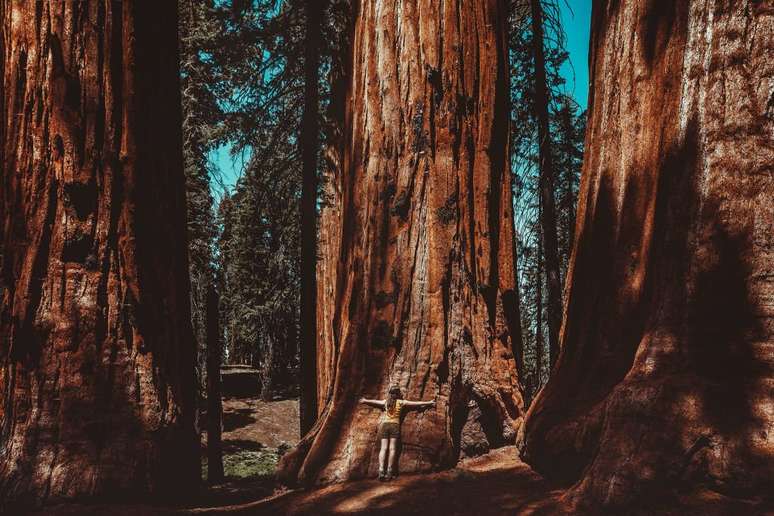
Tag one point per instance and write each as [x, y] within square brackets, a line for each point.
[425, 257]
[96, 348]
[665, 373]
[328, 244]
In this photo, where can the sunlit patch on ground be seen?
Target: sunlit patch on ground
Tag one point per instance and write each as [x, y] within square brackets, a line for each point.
[365, 500]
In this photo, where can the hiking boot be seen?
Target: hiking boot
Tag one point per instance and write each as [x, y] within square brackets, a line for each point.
[391, 475]
[382, 476]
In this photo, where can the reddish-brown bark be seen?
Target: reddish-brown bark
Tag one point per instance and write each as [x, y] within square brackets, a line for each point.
[328, 248]
[665, 373]
[424, 268]
[96, 348]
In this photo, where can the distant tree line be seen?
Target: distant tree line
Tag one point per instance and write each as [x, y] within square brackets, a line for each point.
[565, 124]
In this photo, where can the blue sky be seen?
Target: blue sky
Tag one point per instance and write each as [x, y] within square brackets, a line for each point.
[227, 168]
[576, 19]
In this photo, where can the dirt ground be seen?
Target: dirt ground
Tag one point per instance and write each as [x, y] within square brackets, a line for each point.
[255, 434]
[270, 423]
[494, 484]
[497, 483]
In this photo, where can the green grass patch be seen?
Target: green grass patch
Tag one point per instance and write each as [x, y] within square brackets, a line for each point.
[248, 464]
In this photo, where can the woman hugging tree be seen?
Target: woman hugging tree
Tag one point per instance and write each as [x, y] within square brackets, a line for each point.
[389, 428]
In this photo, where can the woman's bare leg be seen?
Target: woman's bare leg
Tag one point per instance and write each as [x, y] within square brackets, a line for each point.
[383, 456]
[393, 456]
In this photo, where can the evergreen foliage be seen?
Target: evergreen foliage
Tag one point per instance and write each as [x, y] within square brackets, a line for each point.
[259, 62]
[201, 116]
[567, 125]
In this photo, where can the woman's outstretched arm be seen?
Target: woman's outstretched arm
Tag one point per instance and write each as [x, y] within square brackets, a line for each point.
[418, 404]
[373, 403]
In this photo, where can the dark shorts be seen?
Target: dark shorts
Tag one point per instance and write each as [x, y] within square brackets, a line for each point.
[389, 430]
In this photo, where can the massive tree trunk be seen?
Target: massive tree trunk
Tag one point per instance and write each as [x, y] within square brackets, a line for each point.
[550, 240]
[425, 260]
[310, 146]
[96, 349]
[665, 373]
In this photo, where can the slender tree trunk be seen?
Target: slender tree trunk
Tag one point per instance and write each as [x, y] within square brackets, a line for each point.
[512, 306]
[96, 348]
[566, 179]
[309, 148]
[266, 364]
[539, 333]
[567, 131]
[214, 403]
[547, 172]
[426, 252]
[664, 379]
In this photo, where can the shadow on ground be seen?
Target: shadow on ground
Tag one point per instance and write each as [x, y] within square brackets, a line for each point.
[495, 484]
[236, 445]
[237, 419]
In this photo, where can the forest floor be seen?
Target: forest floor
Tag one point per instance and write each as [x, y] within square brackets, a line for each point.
[495, 483]
[255, 435]
[256, 432]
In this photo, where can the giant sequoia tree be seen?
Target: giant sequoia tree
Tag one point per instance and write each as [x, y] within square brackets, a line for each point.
[423, 286]
[665, 372]
[96, 348]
